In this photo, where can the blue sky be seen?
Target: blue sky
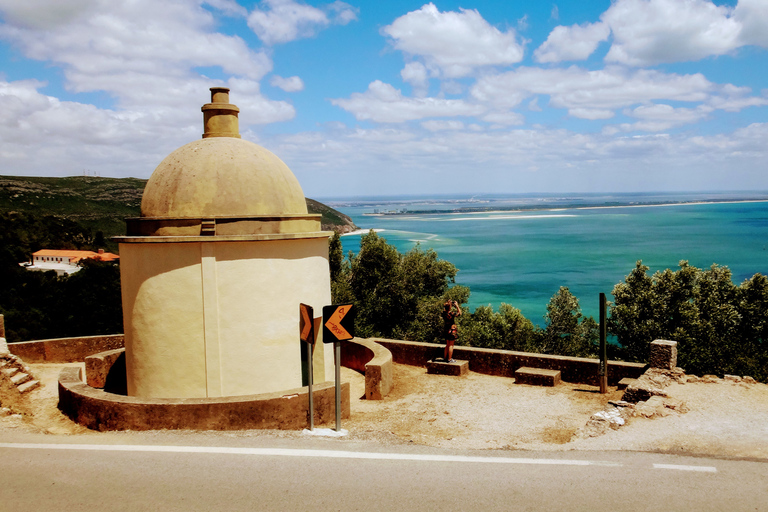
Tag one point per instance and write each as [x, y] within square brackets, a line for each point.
[398, 97]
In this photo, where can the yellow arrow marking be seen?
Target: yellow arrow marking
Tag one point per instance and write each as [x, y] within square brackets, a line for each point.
[306, 327]
[334, 323]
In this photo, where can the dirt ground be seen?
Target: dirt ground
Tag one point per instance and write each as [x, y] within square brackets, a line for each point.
[725, 419]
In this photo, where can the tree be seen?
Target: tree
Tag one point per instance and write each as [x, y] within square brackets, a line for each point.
[396, 295]
[720, 327]
[567, 332]
[506, 329]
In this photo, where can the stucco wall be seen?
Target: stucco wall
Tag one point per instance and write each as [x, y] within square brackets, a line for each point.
[220, 318]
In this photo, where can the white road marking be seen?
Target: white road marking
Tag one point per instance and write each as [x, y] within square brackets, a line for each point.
[338, 454]
[333, 454]
[701, 469]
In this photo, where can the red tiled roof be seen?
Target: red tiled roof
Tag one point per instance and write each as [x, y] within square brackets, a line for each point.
[76, 256]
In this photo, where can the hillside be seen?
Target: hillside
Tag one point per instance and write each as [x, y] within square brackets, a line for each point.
[101, 204]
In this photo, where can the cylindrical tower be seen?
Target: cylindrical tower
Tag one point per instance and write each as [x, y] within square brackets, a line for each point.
[215, 268]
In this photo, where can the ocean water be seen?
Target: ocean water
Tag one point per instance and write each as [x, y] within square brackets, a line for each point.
[587, 243]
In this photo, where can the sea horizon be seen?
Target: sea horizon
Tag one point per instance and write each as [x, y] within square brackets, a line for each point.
[506, 253]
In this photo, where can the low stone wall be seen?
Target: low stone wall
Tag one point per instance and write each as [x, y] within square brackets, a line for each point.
[65, 350]
[99, 410]
[107, 368]
[504, 363]
[372, 360]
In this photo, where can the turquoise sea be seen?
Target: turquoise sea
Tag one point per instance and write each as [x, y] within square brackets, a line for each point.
[521, 249]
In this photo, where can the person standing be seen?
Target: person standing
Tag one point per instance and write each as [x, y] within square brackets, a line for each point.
[451, 310]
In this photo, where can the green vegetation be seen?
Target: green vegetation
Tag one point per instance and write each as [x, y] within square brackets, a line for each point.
[41, 305]
[720, 328]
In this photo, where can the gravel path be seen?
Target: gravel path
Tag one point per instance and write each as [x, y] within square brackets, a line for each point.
[726, 419]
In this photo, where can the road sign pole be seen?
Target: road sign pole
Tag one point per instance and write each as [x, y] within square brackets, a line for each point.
[307, 335]
[311, 398]
[603, 347]
[337, 357]
[338, 326]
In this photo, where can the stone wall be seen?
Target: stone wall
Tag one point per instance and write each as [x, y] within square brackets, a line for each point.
[504, 363]
[99, 410]
[373, 361]
[65, 350]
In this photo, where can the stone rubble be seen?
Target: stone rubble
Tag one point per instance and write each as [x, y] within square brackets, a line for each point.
[645, 397]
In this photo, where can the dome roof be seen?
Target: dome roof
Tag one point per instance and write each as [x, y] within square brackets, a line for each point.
[220, 177]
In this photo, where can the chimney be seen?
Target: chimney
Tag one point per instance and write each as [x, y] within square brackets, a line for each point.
[220, 116]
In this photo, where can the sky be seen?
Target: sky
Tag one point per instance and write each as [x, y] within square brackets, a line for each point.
[373, 98]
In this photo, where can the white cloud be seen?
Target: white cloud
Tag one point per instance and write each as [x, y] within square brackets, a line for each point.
[662, 117]
[504, 118]
[753, 16]
[290, 84]
[229, 7]
[379, 161]
[415, 73]
[343, 13]
[44, 14]
[522, 23]
[576, 42]
[592, 114]
[437, 126]
[287, 20]
[455, 43]
[590, 94]
[114, 46]
[385, 104]
[647, 32]
[452, 87]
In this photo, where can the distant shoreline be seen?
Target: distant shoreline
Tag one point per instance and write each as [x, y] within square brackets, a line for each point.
[480, 210]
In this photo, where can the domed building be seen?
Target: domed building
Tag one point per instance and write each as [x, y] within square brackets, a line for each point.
[215, 268]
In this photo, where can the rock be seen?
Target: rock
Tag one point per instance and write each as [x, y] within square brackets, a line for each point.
[748, 380]
[4, 348]
[612, 416]
[651, 408]
[649, 384]
[693, 378]
[593, 428]
[659, 407]
[710, 379]
[676, 405]
[731, 378]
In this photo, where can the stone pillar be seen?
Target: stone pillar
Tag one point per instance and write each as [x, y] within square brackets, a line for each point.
[2, 326]
[663, 354]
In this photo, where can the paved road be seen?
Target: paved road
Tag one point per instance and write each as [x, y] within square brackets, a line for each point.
[205, 472]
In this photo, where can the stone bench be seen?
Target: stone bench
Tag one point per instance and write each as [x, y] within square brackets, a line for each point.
[537, 376]
[456, 368]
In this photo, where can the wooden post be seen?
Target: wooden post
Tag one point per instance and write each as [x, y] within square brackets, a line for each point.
[603, 348]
